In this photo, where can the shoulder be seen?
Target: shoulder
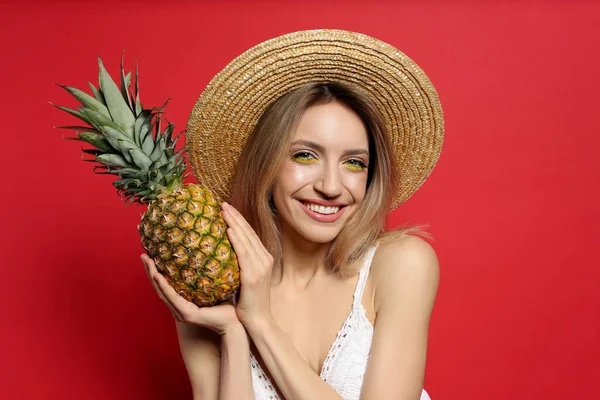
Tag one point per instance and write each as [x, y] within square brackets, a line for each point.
[405, 269]
[404, 257]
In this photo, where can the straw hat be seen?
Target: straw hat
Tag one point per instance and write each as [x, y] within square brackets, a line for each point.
[229, 107]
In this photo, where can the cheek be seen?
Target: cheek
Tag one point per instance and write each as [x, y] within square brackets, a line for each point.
[356, 184]
[291, 179]
[294, 176]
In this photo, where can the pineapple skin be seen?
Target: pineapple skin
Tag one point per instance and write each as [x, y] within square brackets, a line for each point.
[184, 233]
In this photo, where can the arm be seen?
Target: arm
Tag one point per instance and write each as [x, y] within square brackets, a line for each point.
[218, 365]
[213, 344]
[292, 375]
[406, 278]
[200, 352]
[236, 377]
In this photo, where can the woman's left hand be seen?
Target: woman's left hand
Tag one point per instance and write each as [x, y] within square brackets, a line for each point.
[256, 265]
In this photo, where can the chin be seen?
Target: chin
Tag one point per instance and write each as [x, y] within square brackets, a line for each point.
[320, 236]
[317, 232]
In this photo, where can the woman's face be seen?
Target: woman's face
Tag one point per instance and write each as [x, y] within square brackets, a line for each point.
[324, 179]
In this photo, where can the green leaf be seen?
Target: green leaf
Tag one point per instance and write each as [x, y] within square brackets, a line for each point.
[100, 167]
[111, 131]
[112, 160]
[143, 125]
[125, 82]
[133, 173]
[87, 100]
[125, 88]
[175, 159]
[99, 121]
[126, 147]
[168, 133]
[116, 138]
[96, 140]
[157, 125]
[117, 105]
[92, 151]
[158, 150]
[148, 192]
[164, 158]
[76, 113]
[129, 183]
[97, 93]
[132, 191]
[140, 159]
[138, 103]
[128, 80]
[148, 142]
[155, 166]
[78, 128]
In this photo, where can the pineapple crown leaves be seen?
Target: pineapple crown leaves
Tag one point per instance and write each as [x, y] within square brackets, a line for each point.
[127, 139]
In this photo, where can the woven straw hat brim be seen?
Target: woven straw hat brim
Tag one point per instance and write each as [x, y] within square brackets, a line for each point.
[229, 107]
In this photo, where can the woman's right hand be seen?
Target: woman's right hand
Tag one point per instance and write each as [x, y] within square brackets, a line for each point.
[221, 318]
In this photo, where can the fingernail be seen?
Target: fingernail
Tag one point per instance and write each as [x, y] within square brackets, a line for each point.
[224, 205]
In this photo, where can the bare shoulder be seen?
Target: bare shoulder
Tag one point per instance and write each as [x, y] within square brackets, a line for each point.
[405, 268]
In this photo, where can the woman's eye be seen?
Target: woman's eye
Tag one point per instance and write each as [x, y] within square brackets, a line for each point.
[304, 157]
[356, 164]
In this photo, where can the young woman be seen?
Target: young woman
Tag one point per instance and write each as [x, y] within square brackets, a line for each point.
[331, 306]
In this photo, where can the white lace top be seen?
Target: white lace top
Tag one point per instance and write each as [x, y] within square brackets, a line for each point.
[345, 364]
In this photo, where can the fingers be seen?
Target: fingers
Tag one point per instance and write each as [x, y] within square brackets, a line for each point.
[172, 299]
[217, 318]
[242, 234]
[151, 272]
[242, 245]
[239, 226]
[154, 277]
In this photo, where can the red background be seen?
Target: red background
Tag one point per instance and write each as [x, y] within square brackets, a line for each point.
[512, 201]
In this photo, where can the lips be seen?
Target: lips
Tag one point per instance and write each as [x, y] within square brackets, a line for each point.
[322, 209]
[312, 211]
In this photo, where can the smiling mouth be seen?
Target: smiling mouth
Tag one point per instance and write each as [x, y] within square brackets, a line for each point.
[321, 209]
[322, 213]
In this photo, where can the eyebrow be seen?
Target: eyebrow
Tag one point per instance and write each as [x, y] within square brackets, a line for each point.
[321, 149]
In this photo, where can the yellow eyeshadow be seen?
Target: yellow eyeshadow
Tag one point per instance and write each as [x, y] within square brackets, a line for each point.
[354, 167]
[304, 160]
[358, 166]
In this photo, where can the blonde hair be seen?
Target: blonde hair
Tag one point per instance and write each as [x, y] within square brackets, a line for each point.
[267, 149]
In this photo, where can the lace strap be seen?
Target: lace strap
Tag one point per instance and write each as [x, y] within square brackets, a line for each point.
[362, 277]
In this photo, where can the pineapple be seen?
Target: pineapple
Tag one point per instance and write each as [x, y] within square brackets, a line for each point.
[182, 228]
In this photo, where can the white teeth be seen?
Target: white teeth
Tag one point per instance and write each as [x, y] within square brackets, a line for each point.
[321, 209]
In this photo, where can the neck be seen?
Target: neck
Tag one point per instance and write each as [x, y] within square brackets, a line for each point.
[302, 260]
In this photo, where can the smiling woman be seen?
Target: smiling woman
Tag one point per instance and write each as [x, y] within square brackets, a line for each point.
[323, 144]
[311, 157]
[332, 184]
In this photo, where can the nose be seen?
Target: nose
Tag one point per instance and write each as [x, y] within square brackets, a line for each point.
[328, 182]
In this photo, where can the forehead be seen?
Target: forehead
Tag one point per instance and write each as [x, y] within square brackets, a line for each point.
[332, 124]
